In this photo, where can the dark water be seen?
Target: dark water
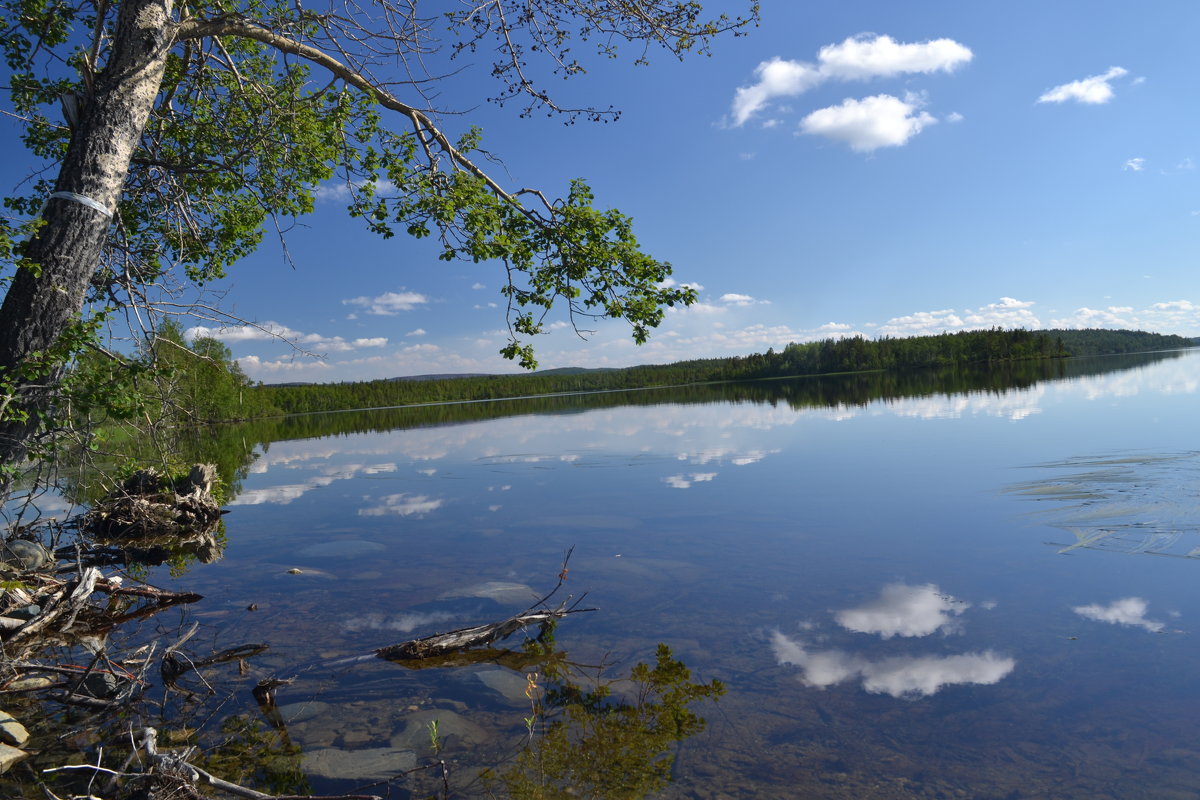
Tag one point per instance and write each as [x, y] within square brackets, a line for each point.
[981, 584]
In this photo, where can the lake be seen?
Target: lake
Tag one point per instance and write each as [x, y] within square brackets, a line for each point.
[973, 584]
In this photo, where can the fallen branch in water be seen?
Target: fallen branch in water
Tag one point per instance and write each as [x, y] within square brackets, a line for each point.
[440, 644]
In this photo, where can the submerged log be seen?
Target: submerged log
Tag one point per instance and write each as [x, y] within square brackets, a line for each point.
[440, 644]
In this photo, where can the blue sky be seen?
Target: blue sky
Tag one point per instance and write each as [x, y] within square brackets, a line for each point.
[866, 167]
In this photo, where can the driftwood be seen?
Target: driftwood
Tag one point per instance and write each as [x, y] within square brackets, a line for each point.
[453, 648]
[441, 644]
[70, 599]
[462, 639]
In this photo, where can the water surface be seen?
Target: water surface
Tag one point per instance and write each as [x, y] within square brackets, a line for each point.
[980, 584]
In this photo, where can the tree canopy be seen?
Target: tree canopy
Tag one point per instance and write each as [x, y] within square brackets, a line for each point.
[173, 134]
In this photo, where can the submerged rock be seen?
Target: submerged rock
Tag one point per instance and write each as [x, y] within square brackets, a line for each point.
[9, 756]
[305, 710]
[517, 594]
[370, 764]
[415, 733]
[12, 731]
[506, 683]
[24, 554]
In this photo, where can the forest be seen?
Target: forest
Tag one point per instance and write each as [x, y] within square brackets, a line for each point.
[830, 356]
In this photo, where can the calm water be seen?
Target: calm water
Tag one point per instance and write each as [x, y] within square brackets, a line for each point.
[910, 588]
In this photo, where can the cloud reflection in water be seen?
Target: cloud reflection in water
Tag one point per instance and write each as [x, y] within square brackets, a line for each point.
[905, 611]
[1126, 611]
[899, 676]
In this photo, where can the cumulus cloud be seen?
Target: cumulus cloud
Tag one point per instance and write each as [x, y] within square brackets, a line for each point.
[268, 331]
[341, 192]
[1092, 90]
[734, 299]
[900, 676]
[388, 303]
[902, 610]
[776, 78]
[870, 123]
[244, 333]
[1007, 313]
[1111, 317]
[1126, 611]
[1134, 165]
[859, 57]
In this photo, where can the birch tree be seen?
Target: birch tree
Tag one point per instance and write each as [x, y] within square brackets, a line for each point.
[173, 132]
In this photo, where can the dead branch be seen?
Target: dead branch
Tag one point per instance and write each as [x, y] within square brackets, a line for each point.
[475, 636]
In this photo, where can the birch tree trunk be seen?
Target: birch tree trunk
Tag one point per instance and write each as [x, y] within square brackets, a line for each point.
[42, 301]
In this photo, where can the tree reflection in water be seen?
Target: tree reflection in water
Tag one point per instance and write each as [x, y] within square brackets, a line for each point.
[594, 737]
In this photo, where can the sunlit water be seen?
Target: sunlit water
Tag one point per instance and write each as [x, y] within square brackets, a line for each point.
[971, 594]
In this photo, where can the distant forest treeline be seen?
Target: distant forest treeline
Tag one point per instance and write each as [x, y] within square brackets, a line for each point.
[815, 358]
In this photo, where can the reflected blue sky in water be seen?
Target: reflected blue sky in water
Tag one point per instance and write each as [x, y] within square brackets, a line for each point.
[820, 561]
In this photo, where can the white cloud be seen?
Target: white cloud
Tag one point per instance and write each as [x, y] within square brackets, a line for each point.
[1092, 90]
[268, 331]
[870, 123]
[1126, 611]
[416, 332]
[340, 192]
[671, 282]
[776, 78]
[903, 610]
[902, 676]
[478, 286]
[862, 57]
[245, 333]
[735, 299]
[1111, 317]
[389, 303]
[857, 58]
[954, 116]
[1134, 165]
[1007, 313]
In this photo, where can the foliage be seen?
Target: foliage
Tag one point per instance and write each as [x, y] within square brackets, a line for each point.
[263, 101]
[201, 124]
